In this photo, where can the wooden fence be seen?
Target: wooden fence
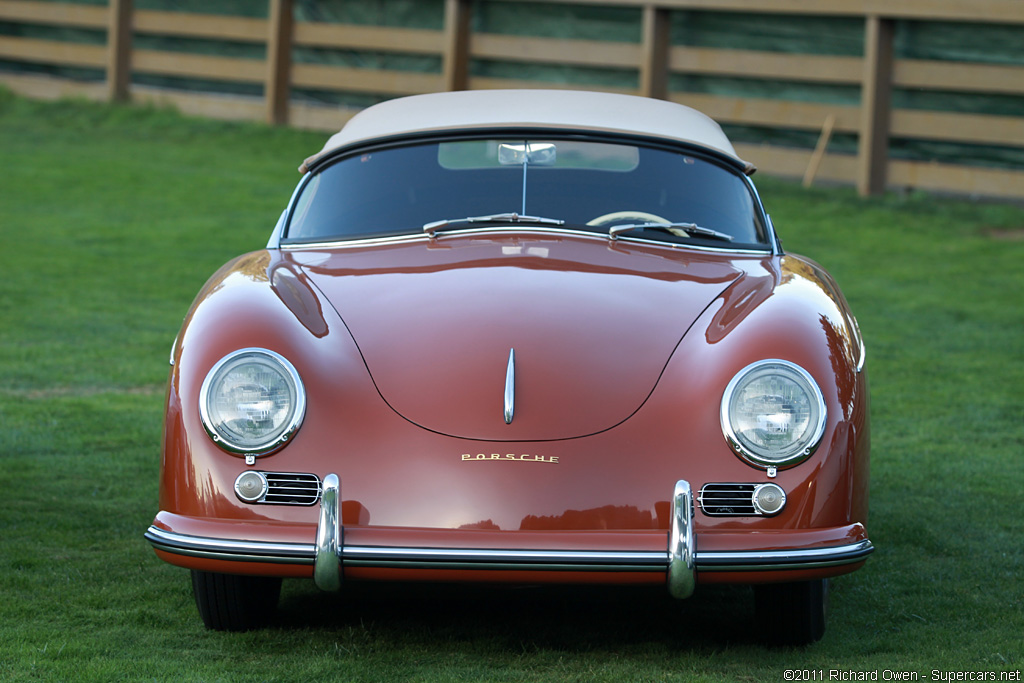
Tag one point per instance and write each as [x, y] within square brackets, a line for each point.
[653, 59]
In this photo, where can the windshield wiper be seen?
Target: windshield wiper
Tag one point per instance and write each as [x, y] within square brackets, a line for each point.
[678, 229]
[500, 218]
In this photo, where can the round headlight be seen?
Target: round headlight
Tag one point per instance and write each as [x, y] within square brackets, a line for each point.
[773, 413]
[252, 401]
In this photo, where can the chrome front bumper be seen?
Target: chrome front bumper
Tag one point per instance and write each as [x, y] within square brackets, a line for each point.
[680, 560]
[331, 551]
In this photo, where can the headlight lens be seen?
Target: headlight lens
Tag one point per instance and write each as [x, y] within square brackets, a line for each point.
[773, 413]
[252, 401]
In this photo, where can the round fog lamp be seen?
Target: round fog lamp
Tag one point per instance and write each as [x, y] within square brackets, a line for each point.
[251, 486]
[769, 499]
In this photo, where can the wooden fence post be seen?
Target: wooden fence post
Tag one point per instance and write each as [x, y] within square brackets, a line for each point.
[656, 41]
[876, 103]
[277, 89]
[119, 49]
[455, 60]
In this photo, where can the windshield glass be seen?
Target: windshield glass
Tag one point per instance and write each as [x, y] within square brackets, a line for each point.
[591, 186]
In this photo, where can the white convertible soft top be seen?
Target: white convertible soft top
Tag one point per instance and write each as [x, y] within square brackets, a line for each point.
[536, 109]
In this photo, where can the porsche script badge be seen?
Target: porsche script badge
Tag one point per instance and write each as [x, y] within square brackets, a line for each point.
[525, 457]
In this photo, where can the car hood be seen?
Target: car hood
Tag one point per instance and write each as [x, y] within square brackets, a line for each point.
[592, 322]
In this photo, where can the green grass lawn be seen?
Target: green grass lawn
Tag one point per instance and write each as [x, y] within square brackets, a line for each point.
[111, 219]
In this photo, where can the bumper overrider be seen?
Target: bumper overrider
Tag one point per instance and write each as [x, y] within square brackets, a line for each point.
[329, 555]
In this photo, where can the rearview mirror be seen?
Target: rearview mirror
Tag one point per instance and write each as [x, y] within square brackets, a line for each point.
[531, 153]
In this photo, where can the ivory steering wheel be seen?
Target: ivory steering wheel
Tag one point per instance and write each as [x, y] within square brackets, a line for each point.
[623, 216]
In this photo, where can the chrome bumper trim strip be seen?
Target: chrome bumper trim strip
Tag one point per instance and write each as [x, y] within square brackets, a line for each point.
[227, 549]
[540, 560]
[548, 560]
[761, 560]
[376, 556]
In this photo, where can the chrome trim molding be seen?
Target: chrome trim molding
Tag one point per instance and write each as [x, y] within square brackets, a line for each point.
[227, 549]
[329, 537]
[275, 237]
[510, 387]
[862, 352]
[361, 242]
[551, 560]
[681, 578]
[603, 236]
[805, 558]
[769, 225]
[487, 559]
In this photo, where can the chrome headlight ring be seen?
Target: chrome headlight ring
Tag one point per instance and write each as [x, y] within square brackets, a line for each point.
[773, 414]
[252, 402]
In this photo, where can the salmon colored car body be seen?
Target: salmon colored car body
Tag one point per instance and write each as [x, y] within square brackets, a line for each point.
[519, 337]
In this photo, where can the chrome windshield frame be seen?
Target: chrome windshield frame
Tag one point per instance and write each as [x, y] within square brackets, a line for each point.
[279, 238]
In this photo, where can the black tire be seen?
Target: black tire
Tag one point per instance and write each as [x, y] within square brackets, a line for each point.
[792, 613]
[235, 603]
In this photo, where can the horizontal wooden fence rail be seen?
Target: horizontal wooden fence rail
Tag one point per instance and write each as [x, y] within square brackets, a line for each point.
[273, 76]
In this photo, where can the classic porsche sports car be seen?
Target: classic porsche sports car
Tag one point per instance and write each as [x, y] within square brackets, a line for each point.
[519, 337]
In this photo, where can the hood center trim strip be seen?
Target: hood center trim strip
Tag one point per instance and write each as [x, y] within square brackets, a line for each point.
[510, 387]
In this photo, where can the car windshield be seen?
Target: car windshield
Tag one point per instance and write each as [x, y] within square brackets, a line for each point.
[648, 192]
